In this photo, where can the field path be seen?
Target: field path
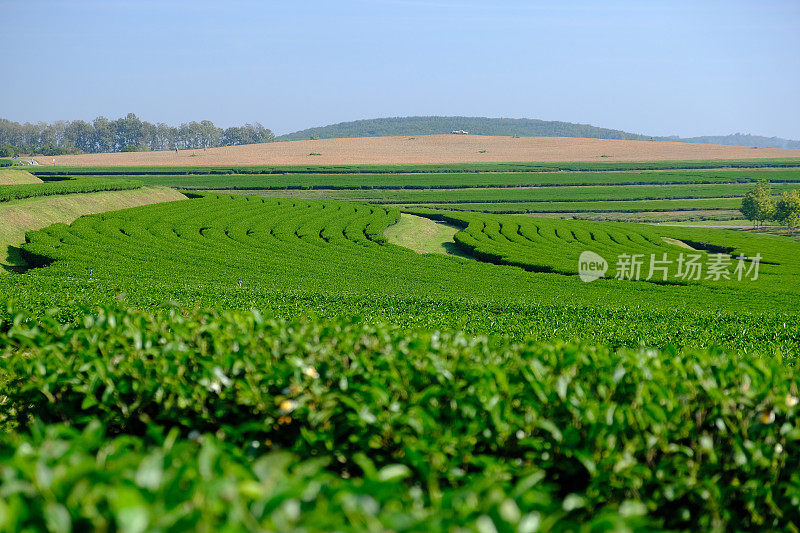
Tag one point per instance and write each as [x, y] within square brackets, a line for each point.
[426, 149]
[21, 216]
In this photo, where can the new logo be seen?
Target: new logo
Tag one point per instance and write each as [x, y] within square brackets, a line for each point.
[591, 266]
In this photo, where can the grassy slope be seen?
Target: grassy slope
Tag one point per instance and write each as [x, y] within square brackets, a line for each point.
[21, 216]
[13, 176]
[422, 235]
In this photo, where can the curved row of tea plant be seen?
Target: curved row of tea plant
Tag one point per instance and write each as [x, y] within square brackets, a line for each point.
[330, 247]
[555, 245]
[71, 186]
[414, 429]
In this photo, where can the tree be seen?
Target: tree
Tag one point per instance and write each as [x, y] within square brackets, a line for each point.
[232, 136]
[165, 137]
[787, 210]
[127, 133]
[149, 136]
[103, 135]
[81, 135]
[749, 207]
[210, 134]
[758, 204]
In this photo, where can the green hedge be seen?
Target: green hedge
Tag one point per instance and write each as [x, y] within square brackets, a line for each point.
[60, 479]
[31, 190]
[482, 432]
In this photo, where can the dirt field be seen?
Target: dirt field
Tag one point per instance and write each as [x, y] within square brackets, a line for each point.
[426, 149]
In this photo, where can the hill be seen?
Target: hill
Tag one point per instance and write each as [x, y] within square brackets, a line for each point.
[739, 139]
[522, 127]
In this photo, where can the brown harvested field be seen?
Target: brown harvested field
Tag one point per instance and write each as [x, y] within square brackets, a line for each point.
[427, 149]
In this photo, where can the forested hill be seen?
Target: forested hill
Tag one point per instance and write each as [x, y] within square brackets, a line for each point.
[522, 127]
[738, 139]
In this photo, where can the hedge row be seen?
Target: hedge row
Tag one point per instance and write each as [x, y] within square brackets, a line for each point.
[52, 188]
[523, 432]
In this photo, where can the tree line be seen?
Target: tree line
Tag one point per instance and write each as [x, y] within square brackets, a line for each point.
[128, 133]
[759, 206]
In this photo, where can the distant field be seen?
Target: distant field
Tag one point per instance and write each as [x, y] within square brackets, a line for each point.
[617, 206]
[766, 164]
[426, 149]
[549, 194]
[267, 362]
[434, 180]
[680, 190]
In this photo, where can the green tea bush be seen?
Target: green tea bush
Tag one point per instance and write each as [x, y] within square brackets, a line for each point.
[688, 440]
[555, 245]
[72, 186]
[59, 479]
[330, 247]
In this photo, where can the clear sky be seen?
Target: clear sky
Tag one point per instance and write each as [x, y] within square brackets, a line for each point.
[654, 67]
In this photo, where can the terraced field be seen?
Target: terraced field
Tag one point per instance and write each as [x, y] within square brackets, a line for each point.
[239, 362]
[580, 190]
[551, 245]
[22, 215]
[335, 247]
[687, 206]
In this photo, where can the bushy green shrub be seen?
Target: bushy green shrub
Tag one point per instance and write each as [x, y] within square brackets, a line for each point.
[693, 440]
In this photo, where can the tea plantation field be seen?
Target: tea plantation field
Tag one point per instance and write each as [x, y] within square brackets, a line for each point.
[253, 363]
[612, 191]
[69, 186]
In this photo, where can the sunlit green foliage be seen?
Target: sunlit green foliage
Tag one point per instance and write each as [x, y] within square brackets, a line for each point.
[379, 389]
[419, 421]
[554, 245]
[333, 247]
[72, 186]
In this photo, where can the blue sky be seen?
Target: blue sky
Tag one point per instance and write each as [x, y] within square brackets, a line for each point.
[660, 68]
